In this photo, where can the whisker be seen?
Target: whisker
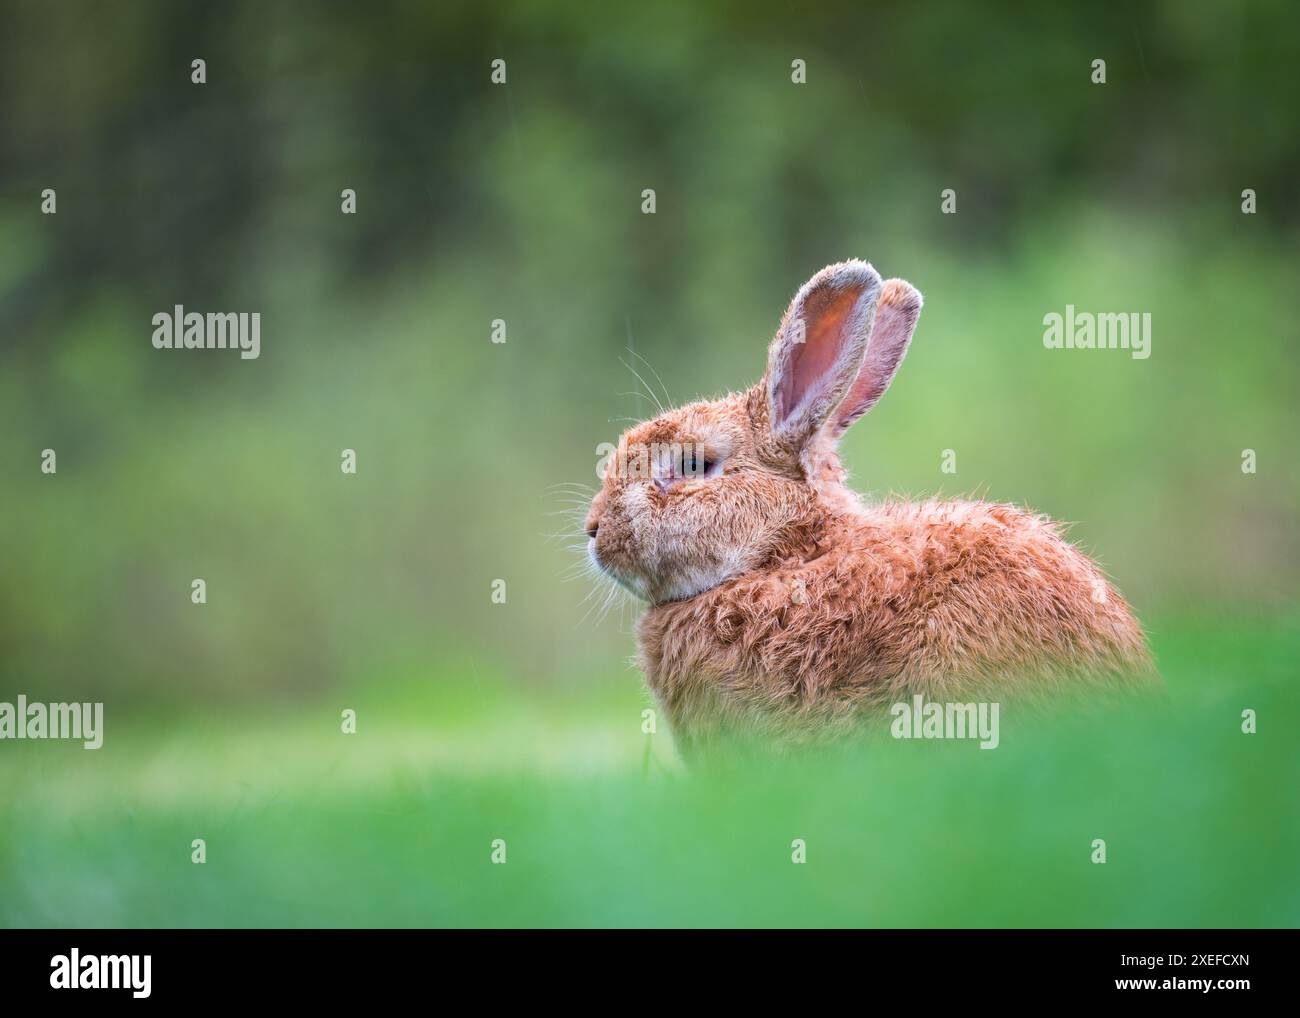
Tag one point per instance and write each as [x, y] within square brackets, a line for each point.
[656, 373]
[610, 600]
[627, 605]
[649, 390]
[561, 534]
[590, 594]
[588, 612]
[595, 607]
[570, 484]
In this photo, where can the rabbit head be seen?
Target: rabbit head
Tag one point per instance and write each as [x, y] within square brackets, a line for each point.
[714, 489]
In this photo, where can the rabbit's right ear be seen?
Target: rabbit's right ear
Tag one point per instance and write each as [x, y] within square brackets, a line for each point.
[819, 349]
[896, 315]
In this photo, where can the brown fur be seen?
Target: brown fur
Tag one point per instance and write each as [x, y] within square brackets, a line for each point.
[783, 608]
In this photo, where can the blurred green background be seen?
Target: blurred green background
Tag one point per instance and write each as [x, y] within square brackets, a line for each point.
[522, 202]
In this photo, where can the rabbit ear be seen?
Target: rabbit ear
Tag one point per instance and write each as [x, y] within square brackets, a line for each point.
[819, 348]
[896, 315]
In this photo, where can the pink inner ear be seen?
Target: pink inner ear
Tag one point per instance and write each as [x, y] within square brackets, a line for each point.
[896, 316]
[811, 361]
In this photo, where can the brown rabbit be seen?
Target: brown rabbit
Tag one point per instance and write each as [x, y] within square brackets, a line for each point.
[783, 608]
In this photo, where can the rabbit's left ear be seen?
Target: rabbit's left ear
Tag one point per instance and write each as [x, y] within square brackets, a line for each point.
[896, 316]
[818, 350]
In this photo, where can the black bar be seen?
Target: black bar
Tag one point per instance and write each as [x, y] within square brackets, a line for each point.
[338, 967]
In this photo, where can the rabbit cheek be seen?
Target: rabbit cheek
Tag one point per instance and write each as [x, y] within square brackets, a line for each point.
[698, 549]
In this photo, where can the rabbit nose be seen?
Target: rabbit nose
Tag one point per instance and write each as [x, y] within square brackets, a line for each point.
[592, 523]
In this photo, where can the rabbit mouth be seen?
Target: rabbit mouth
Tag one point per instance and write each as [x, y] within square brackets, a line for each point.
[653, 590]
[628, 581]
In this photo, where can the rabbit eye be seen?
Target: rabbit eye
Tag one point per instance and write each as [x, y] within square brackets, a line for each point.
[696, 464]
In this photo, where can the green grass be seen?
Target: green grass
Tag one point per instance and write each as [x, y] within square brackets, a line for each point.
[393, 825]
